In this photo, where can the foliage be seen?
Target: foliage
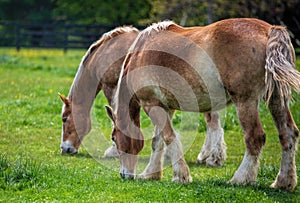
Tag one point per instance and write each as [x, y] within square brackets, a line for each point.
[27, 10]
[191, 12]
[116, 12]
[33, 170]
[183, 12]
[144, 12]
[119, 12]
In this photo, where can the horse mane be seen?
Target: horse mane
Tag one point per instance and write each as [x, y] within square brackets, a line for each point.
[157, 27]
[150, 30]
[91, 50]
[105, 37]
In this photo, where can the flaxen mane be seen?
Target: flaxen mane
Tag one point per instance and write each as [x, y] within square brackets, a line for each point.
[154, 28]
[157, 27]
[105, 37]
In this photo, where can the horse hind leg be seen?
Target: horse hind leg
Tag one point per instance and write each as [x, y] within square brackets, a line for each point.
[111, 152]
[213, 151]
[288, 135]
[254, 137]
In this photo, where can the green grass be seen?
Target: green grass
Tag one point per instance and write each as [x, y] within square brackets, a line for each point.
[297, 50]
[32, 168]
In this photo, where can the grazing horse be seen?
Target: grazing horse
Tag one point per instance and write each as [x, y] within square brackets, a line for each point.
[99, 69]
[103, 60]
[203, 69]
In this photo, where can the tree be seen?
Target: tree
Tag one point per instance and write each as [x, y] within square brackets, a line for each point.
[201, 12]
[206, 11]
[26, 10]
[142, 12]
[116, 12]
[185, 12]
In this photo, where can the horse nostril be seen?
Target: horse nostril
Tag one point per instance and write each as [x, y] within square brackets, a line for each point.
[131, 176]
[68, 150]
[122, 175]
[65, 150]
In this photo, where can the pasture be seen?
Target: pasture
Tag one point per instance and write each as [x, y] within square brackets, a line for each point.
[32, 168]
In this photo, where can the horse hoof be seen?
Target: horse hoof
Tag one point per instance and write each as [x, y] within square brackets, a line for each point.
[212, 164]
[111, 152]
[210, 161]
[150, 176]
[288, 186]
[201, 159]
[241, 181]
[184, 179]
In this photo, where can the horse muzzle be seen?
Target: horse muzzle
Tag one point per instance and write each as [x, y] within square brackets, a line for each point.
[67, 148]
[125, 174]
[128, 164]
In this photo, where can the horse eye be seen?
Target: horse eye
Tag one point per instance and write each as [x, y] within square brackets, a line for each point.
[64, 119]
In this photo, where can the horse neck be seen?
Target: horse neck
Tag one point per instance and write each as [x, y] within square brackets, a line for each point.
[87, 82]
[127, 110]
[83, 90]
[102, 62]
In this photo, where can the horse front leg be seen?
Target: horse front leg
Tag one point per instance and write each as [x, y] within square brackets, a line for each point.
[254, 137]
[288, 136]
[155, 166]
[213, 151]
[161, 119]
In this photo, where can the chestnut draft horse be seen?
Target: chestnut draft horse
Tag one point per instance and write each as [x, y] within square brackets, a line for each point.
[203, 69]
[100, 69]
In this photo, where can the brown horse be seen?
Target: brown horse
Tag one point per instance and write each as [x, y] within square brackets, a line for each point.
[100, 69]
[203, 69]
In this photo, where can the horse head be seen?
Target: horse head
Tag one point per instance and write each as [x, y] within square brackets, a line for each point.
[73, 130]
[129, 141]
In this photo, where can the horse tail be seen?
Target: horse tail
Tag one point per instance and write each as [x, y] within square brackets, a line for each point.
[281, 74]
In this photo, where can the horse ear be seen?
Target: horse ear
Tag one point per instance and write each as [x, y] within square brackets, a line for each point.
[109, 112]
[64, 99]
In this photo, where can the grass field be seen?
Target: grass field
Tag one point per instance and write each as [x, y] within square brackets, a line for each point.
[32, 168]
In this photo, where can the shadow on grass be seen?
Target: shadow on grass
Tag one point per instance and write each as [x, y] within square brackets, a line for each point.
[262, 188]
[78, 155]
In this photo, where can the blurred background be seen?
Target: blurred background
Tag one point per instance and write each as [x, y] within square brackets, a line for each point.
[76, 24]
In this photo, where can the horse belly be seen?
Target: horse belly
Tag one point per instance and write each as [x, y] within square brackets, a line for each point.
[161, 86]
[180, 100]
